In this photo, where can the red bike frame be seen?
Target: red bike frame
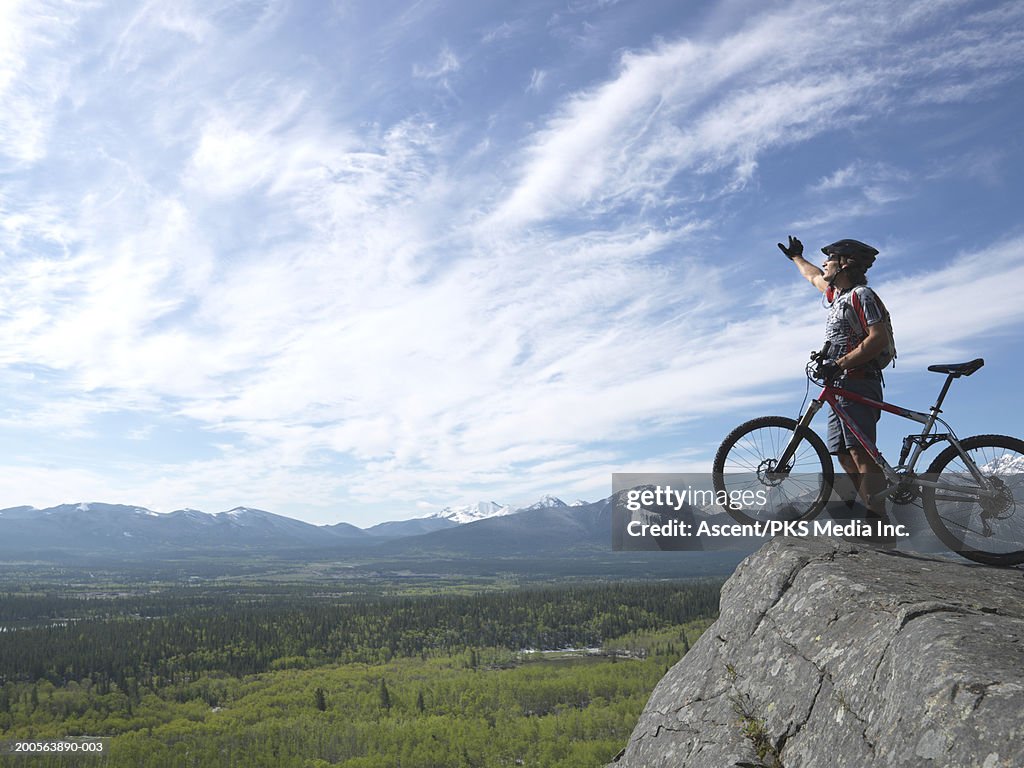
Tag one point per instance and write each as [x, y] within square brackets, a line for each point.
[913, 445]
[830, 394]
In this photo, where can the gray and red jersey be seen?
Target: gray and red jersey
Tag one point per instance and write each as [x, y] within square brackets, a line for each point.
[850, 314]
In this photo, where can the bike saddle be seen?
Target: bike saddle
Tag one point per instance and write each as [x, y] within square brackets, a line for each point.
[958, 369]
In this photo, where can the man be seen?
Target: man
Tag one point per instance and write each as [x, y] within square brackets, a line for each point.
[856, 331]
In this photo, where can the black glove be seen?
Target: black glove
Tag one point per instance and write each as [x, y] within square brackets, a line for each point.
[796, 248]
[830, 370]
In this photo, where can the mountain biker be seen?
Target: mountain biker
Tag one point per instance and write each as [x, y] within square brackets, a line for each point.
[857, 334]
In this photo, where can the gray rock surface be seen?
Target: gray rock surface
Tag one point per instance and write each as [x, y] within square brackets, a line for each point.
[828, 653]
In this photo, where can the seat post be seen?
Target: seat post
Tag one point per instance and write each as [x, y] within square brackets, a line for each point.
[942, 395]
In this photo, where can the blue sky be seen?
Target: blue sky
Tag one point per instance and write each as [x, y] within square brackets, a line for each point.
[358, 261]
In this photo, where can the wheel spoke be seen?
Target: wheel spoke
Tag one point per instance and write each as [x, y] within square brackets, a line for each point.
[748, 461]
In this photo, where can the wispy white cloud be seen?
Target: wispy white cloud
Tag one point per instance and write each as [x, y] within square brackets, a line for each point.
[662, 114]
[860, 174]
[237, 151]
[445, 63]
[984, 280]
[537, 80]
[673, 109]
[857, 190]
[167, 39]
[31, 80]
[503, 31]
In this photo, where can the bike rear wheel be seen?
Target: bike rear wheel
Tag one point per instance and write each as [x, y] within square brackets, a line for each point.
[747, 463]
[987, 528]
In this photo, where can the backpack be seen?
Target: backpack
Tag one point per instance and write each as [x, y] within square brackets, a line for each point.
[887, 356]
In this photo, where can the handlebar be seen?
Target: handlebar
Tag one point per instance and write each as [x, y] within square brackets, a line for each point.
[822, 355]
[818, 359]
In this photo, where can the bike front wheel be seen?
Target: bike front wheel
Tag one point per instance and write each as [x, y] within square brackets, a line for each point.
[984, 525]
[754, 488]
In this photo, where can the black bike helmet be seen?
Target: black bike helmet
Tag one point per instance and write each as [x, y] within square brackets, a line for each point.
[862, 252]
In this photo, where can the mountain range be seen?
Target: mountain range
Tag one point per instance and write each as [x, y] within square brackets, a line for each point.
[549, 529]
[126, 531]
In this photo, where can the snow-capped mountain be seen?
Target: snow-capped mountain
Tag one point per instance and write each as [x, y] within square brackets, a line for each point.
[249, 517]
[549, 528]
[546, 502]
[455, 516]
[484, 510]
[1003, 464]
[470, 513]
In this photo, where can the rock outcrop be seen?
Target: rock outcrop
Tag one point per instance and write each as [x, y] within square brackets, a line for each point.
[828, 653]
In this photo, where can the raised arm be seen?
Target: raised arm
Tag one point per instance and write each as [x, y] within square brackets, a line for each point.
[795, 253]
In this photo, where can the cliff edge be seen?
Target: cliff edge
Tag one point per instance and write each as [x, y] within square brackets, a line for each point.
[828, 653]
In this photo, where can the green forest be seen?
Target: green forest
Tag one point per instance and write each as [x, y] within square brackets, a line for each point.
[297, 676]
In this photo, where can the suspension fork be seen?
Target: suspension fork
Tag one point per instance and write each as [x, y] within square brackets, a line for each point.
[784, 462]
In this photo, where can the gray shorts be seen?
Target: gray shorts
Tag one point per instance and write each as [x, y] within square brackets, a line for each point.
[866, 418]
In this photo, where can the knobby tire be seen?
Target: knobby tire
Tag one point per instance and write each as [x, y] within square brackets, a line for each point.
[991, 532]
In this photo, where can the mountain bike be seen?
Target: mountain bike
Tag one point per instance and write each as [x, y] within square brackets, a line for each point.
[972, 493]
